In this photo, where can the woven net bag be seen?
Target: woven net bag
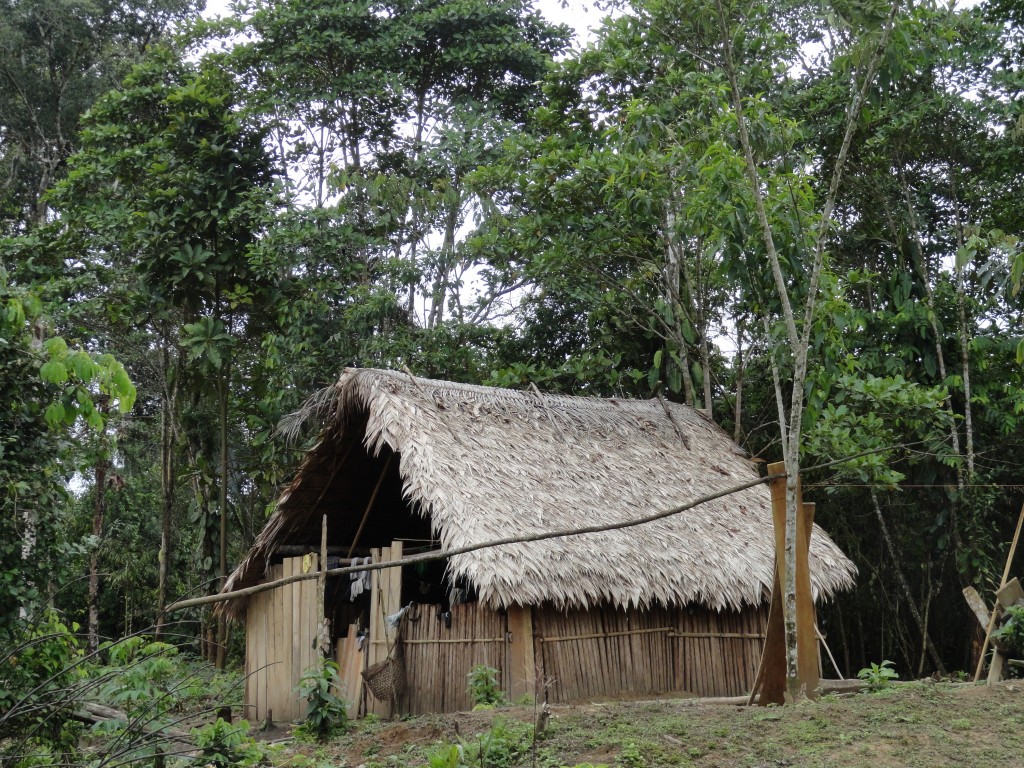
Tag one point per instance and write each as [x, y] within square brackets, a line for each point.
[386, 679]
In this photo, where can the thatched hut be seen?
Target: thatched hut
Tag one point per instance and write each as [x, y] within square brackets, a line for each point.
[405, 464]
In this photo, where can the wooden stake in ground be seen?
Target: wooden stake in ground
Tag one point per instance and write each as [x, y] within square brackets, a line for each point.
[1002, 583]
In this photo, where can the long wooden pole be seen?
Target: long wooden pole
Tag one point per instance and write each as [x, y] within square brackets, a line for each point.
[427, 557]
[1002, 583]
[369, 506]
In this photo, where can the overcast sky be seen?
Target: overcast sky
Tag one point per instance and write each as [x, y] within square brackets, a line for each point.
[581, 15]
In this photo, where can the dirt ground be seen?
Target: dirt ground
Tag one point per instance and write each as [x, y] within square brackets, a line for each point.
[916, 724]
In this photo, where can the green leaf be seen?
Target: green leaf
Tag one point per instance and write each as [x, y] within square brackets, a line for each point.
[53, 372]
[95, 421]
[54, 415]
[56, 347]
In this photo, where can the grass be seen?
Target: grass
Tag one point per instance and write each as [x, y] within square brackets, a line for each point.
[918, 724]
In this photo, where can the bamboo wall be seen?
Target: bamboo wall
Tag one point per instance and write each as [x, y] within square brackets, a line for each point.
[438, 659]
[280, 631]
[555, 656]
[587, 654]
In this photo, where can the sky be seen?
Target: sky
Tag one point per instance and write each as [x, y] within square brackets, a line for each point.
[581, 15]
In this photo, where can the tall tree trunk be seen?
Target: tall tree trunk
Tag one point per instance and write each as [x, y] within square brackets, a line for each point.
[940, 358]
[737, 413]
[98, 507]
[964, 335]
[965, 365]
[799, 342]
[904, 586]
[166, 487]
[225, 384]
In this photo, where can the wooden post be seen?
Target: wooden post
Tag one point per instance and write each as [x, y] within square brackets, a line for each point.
[323, 623]
[522, 671]
[385, 597]
[771, 675]
[806, 620]
[1002, 583]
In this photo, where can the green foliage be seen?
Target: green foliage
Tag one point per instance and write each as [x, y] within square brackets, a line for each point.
[502, 746]
[42, 664]
[484, 688]
[325, 711]
[48, 387]
[140, 675]
[631, 756]
[878, 676]
[1011, 632]
[446, 756]
[229, 745]
[56, 58]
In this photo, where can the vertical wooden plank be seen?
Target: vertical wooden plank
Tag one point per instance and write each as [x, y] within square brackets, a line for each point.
[376, 649]
[350, 664]
[721, 648]
[308, 620]
[248, 695]
[254, 626]
[806, 637]
[394, 597]
[290, 601]
[265, 628]
[275, 656]
[270, 658]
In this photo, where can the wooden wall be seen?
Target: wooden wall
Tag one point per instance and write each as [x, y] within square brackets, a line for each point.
[554, 655]
[602, 653]
[438, 659]
[280, 632]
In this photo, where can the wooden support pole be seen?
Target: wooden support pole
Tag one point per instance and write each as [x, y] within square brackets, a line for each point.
[522, 661]
[770, 680]
[806, 620]
[1002, 583]
[323, 623]
[369, 506]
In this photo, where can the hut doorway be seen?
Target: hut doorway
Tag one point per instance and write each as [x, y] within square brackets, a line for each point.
[439, 642]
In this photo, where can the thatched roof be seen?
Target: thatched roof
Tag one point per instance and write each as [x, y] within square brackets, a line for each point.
[483, 463]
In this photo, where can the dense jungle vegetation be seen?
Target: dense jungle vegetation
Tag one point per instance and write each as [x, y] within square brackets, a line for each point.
[801, 217]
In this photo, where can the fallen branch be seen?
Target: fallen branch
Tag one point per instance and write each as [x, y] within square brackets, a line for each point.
[90, 712]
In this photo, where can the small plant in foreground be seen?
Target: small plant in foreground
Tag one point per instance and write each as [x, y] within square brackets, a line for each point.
[631, 756]
[325, 712]
[878, 676]
[227, 745]
[448, 756]
[483, 686]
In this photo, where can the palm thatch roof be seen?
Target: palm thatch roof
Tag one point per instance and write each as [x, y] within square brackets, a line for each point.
[481, 463]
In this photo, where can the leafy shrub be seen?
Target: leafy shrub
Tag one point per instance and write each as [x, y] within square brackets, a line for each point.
[631, 756]
[1011, 633]
[878, 676]
[227, 745]
[141, 674]
[483, 686]
[446, 756]
[501, 747]
[325, 712]
[44, 664]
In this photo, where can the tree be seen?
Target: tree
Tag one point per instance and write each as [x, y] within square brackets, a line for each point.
[173, 184]
[48, 389]
[56, 58]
